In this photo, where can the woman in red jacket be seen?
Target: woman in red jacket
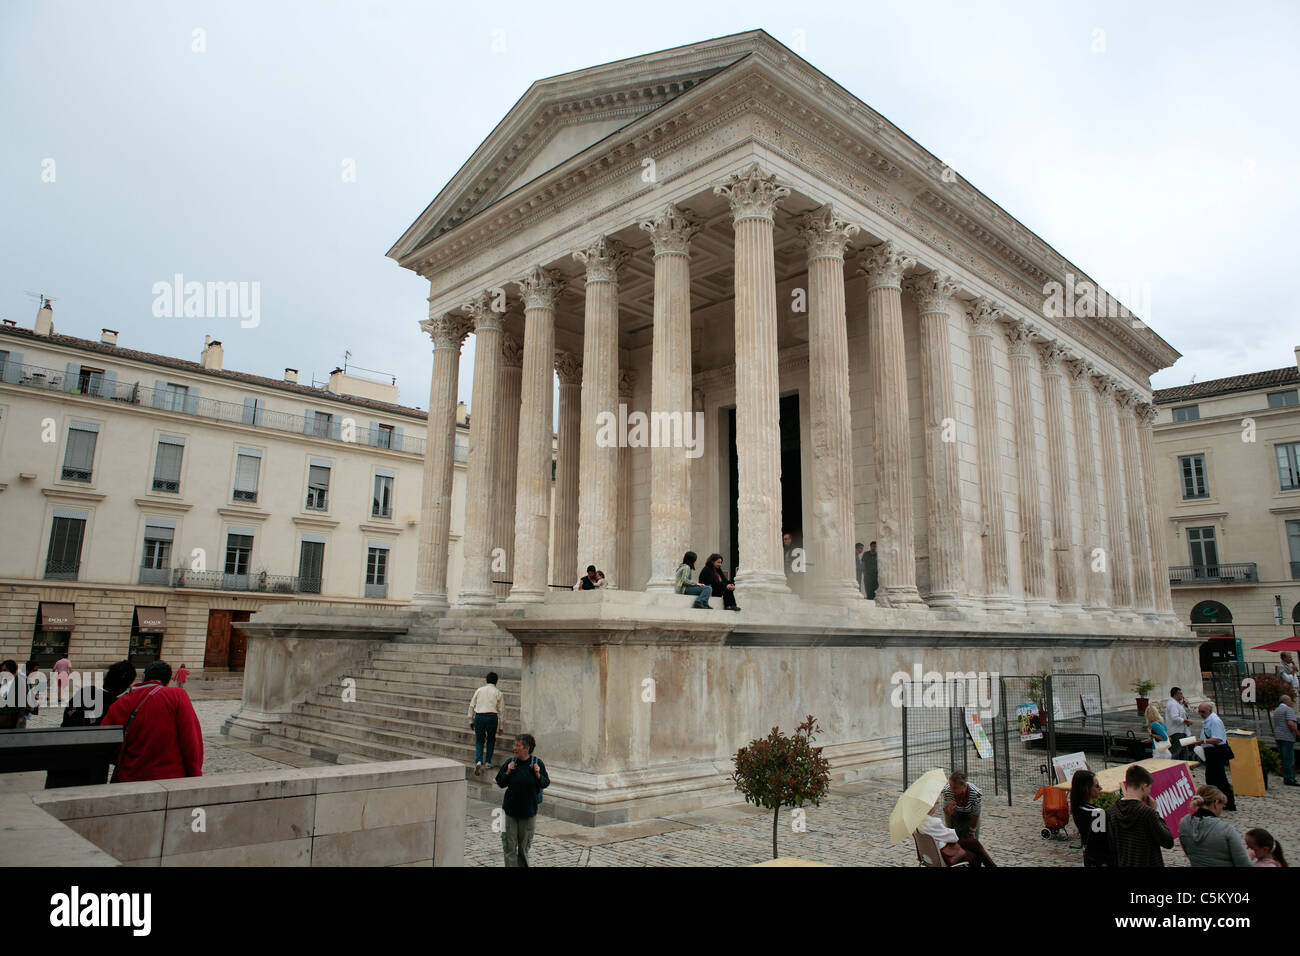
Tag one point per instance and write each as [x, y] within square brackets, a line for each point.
[162, 738]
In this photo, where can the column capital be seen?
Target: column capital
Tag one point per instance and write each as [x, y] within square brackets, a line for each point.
[448, 331]
[1020, 335]
[753, 194]
[569, 368]
[540, 288]
[984, 316]
[1105, 385]
[626, 382]
[1128, 399]
[603, 258]
[1079, 370]
[825, 236]
[932, 290]
[1146, 414]
[1052, 353]
[884, 264]
[482, 315]
[672, 230]
[512, 351]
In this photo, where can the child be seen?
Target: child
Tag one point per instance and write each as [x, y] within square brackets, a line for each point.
[1263, 849]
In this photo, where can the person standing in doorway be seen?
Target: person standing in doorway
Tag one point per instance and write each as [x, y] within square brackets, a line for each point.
[1214, 740]
[524, 778]
[485, 710]
[871, 572]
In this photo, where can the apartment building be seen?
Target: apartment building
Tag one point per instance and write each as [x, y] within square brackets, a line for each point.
[1229, 471]
[148, 502]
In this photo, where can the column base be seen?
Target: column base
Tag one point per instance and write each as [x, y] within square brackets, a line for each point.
[943, 599]
[430, 599]
[525, 596]
[837, 592]
[772, 582]
[998, 602]
[476, 599]
[661, 584]
[900, 597]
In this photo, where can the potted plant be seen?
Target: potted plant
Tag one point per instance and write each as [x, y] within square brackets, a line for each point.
[1142, 687]
[779, 771]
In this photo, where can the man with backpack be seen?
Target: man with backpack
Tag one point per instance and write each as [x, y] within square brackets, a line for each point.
[524, 778]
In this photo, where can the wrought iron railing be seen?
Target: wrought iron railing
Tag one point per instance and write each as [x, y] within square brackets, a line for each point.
[258, 581]
[62, 570]
[127, 393]
[159, 576]
[1240, 573]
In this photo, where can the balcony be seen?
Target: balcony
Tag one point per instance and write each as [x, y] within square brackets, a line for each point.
[61, 570]
[52, 380]
[1194, 574]
[155, 576]
[259, 582]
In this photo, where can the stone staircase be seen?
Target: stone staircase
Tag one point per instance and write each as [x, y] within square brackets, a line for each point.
[411, 699]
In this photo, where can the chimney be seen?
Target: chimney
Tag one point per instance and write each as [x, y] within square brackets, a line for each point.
[45, 319]
[212, 354]
[10, 323]
[108, 336]
[291, 375]
[462, 413]
[1297, 356]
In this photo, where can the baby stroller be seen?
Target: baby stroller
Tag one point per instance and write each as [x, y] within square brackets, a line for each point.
[1056, 811]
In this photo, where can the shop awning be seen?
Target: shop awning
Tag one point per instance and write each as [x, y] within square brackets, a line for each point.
[57, 617]
[1286, 644]
[151, 620]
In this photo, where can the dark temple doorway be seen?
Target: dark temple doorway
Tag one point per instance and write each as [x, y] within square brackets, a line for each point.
[791, 477]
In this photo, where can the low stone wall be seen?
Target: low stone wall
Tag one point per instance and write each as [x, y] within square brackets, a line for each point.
[409, 812]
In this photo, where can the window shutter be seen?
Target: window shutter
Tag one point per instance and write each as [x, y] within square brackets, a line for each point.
[110, 385]
[250, 411]
[308, 422]
[192, 401]
[80, 453]
[159, 393]
[373, 440]
[397, 440]
[13, 367]
[335, 427]
[71, 376]
[168, 466]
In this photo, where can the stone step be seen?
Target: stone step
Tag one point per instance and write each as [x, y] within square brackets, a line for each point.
[431, 698]
[401, 683]
[312, 740]
[374, 744]
[436, 669]
[418, 724]
[511, 648]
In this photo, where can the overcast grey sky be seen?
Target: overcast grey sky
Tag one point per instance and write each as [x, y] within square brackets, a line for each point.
[1163, 154]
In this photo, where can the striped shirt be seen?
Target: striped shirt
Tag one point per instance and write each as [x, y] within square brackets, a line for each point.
[973, 799]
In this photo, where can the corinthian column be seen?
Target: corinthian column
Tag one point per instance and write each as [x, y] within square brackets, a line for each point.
[566, 560]
[1058, 466]
[1155, 522]
[484, 448]
[598, 491]
[753, 196]
[1096, 584]
[825, 238]
[670, 393]
[984, 318]
[623, 537]
[932, 293]
[1118, 555]
[887, 365]
[1032, 568]
[1139, 528]
[541, 289]
[448, 333]
[503, 515]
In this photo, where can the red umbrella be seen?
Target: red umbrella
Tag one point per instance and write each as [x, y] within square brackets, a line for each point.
[1286, 644]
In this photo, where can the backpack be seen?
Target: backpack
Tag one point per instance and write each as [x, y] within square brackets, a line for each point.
[532, 762]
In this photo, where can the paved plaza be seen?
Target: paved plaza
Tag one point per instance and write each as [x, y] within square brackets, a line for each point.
[849, 829]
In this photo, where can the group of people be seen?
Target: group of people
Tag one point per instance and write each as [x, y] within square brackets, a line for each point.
[20, 694]
[1132, 832]
[523, 777]
[957, 834]
[712, 580]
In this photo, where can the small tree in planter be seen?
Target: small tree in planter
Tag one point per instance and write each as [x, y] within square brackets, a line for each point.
[1142, 688]
[778, 771]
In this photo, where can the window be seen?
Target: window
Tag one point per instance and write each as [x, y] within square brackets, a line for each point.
[377, 572]
[1193, 471]
[90, 381]
[63, 560]
[155, 565]
[1293, 542]
[248, 465]
[1204, 551]
[1187, 413]
[79, 456]
[167, 467]
[239, 549]
[382, 504]
[321, 424]
[384, 436]
[318, 486]
[174, 397]
[1283, 399]
[311, 561]
[1288, 466]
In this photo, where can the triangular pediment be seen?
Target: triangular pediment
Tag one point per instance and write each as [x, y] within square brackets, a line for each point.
[562, 116]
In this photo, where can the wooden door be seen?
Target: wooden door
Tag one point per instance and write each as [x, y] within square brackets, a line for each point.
[238, 643]
[216, 653]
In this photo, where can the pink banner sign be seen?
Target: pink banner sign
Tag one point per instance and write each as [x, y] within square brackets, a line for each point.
[1172, 789]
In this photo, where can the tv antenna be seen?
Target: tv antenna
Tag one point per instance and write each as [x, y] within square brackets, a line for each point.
[42, 300]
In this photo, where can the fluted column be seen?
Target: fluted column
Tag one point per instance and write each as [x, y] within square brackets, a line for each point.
[507, 473]
[626, 381]
[598, 490]
[1096, 584]
[448, 333]
[670, 392]
[753, 196]
[983, 321]
[1118, 555]
[887, 365]
[484, 448]
[933, 292]
[1164, 599]
[541, 289]
[1032, 549]
[1139, 528]
[566, 560]
[1066, 559]
[825, 239]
